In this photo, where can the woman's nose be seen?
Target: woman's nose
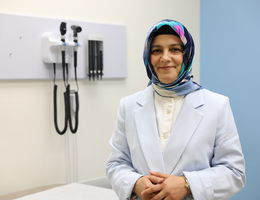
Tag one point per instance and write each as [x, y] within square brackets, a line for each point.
[165, 56]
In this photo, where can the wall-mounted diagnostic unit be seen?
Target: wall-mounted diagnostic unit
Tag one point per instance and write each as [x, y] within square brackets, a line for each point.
[43, 48]
[65, 49]
[29, 45]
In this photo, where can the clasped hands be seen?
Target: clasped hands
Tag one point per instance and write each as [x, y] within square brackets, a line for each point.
[158, 186]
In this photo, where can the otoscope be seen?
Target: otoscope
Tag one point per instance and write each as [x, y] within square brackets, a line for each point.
[63, 30]
[76, 30]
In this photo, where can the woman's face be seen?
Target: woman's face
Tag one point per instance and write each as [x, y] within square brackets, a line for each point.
[167, 57]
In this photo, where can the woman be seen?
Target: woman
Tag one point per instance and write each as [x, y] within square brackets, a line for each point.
[174, 140]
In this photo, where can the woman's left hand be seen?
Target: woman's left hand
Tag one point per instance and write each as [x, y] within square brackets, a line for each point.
[172, 188]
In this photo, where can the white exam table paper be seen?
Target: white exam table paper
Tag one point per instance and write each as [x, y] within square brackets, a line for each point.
[73, 191]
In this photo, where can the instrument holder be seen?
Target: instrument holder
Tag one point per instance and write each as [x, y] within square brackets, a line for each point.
[52, 46]
[95, 57]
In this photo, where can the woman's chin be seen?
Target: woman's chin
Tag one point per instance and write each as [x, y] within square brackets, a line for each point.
[167, 80]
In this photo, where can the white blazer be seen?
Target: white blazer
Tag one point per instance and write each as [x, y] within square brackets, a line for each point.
[204, 145]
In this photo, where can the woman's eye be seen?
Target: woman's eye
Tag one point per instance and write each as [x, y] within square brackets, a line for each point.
[176, 50]
[155, 51]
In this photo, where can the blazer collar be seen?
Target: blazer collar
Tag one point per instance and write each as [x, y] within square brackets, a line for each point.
[147, 130]
[146, 124]
[145, 97]
[185, 125]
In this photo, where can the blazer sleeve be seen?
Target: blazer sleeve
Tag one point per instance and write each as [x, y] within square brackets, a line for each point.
[226, 175]
[119, 169]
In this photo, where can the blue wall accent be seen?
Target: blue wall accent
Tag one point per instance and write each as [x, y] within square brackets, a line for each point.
[230, 54]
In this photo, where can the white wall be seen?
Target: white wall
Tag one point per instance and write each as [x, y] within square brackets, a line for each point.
[31, 153]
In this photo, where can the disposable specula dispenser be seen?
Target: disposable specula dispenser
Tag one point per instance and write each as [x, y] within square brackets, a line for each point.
[95, 56]
[52, 46]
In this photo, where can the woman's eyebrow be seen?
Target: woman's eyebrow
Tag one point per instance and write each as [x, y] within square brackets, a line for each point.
[174, 44]
[177, 44]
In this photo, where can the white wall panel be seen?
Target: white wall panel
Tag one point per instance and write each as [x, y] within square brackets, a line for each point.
[21, 47]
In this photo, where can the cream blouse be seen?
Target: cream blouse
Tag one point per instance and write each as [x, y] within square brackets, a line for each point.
[167, 107]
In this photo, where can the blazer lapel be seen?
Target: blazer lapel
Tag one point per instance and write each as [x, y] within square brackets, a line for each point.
[185, 125]
[147, 131]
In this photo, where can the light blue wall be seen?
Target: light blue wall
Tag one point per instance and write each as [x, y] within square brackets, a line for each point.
[230, 64]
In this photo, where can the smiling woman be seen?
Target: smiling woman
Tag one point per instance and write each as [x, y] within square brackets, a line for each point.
[173, 139]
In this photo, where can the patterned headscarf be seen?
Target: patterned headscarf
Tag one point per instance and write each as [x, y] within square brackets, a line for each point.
[183, 84]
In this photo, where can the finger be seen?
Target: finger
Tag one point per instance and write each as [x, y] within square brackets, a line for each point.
[155, 179]
[158, 174]
[147, 196]
[151, 190]
[147, 182]
[160, 195]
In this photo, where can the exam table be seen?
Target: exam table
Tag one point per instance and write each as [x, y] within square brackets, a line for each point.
[96, 189]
